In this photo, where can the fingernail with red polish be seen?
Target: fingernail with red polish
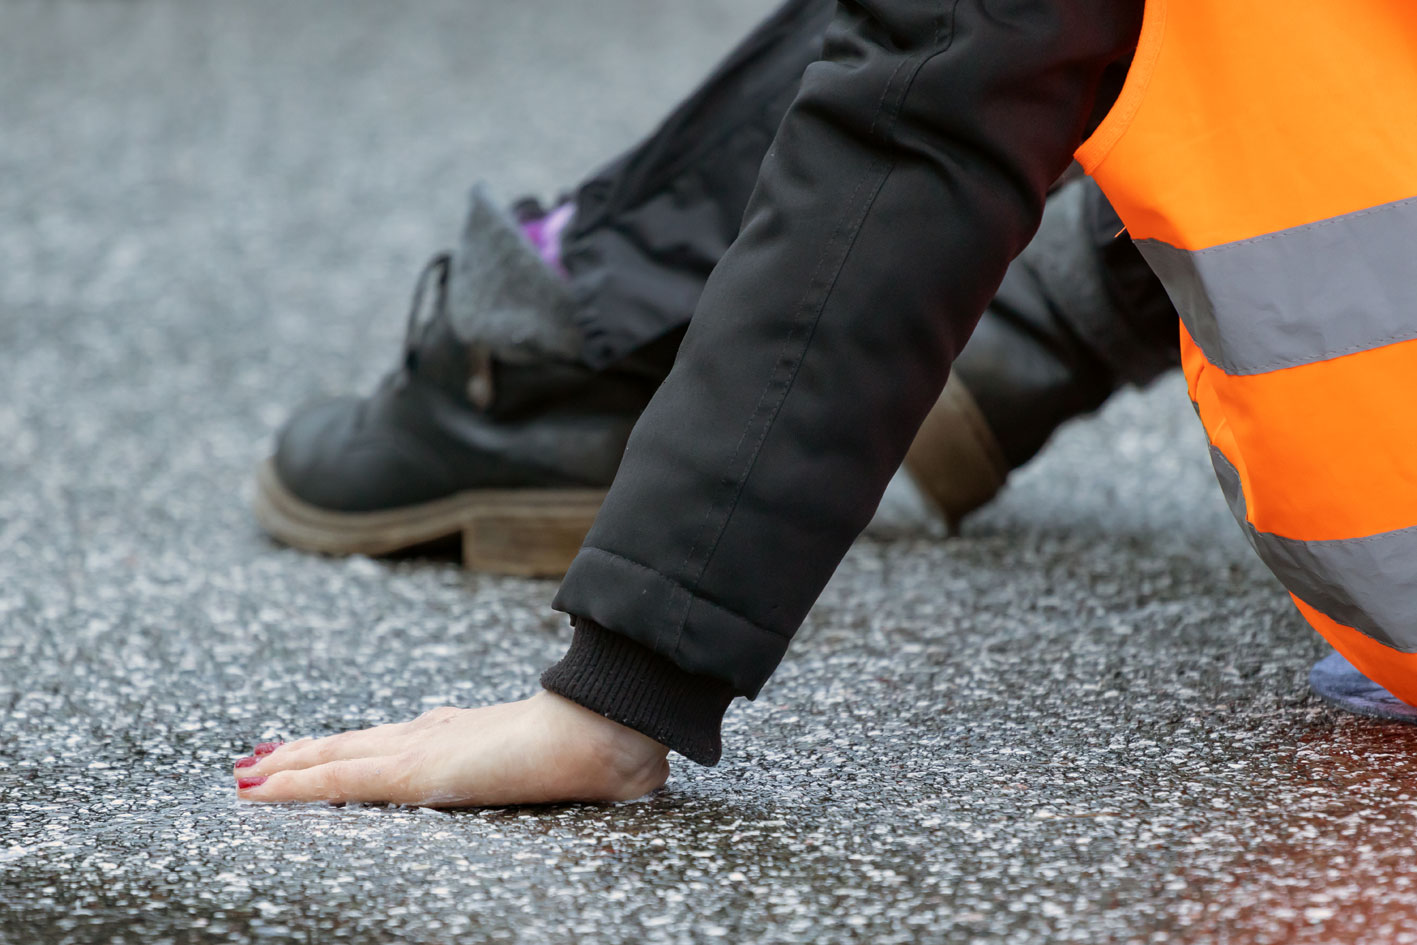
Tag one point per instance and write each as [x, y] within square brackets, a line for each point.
[243, 784]
[265, 748]
[248, 762]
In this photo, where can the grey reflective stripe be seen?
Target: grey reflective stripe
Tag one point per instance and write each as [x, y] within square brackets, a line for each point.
[1301, 295]
[1369, 584]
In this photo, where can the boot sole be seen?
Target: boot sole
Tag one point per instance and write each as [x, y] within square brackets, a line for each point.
[522, 532]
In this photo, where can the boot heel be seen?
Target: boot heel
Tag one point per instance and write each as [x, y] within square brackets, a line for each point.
[527, 541]
[955, 460]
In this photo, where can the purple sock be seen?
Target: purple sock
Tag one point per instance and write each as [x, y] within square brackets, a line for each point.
[545, 234]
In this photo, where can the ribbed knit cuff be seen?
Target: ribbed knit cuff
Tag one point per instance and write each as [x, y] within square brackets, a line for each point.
[631, 684]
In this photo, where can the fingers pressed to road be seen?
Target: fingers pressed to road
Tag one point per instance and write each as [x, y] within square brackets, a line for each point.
[541, 750]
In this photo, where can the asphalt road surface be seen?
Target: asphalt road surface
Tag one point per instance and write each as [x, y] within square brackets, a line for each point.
[1086, 720]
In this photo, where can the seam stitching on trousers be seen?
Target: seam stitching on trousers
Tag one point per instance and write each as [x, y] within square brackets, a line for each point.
[810, 319]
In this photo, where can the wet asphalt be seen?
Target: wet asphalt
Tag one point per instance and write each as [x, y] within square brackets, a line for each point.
[1086, 720]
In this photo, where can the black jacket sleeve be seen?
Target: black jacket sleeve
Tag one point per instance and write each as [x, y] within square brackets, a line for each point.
[910, 169]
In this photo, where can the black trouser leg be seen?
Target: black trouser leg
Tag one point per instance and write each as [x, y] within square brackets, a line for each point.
[651, 225]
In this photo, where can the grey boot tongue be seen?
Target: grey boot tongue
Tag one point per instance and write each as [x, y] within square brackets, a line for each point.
[502, 298]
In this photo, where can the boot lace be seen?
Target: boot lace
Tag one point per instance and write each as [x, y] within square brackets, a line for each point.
[436, 270]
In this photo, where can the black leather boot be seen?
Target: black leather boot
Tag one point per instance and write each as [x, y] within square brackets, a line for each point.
[506, 448]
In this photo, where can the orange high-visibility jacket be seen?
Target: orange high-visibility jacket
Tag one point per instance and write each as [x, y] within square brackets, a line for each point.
[1264, 157]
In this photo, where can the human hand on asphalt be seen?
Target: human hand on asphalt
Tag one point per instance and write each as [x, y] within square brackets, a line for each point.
[541, 750]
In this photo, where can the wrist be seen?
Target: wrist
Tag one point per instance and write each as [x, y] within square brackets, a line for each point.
[627, 682]
[625, 762]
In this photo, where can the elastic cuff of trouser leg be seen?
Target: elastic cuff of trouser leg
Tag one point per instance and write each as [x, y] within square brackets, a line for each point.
[631, 684]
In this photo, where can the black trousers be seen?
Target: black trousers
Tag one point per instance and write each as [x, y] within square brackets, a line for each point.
[900, 175]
